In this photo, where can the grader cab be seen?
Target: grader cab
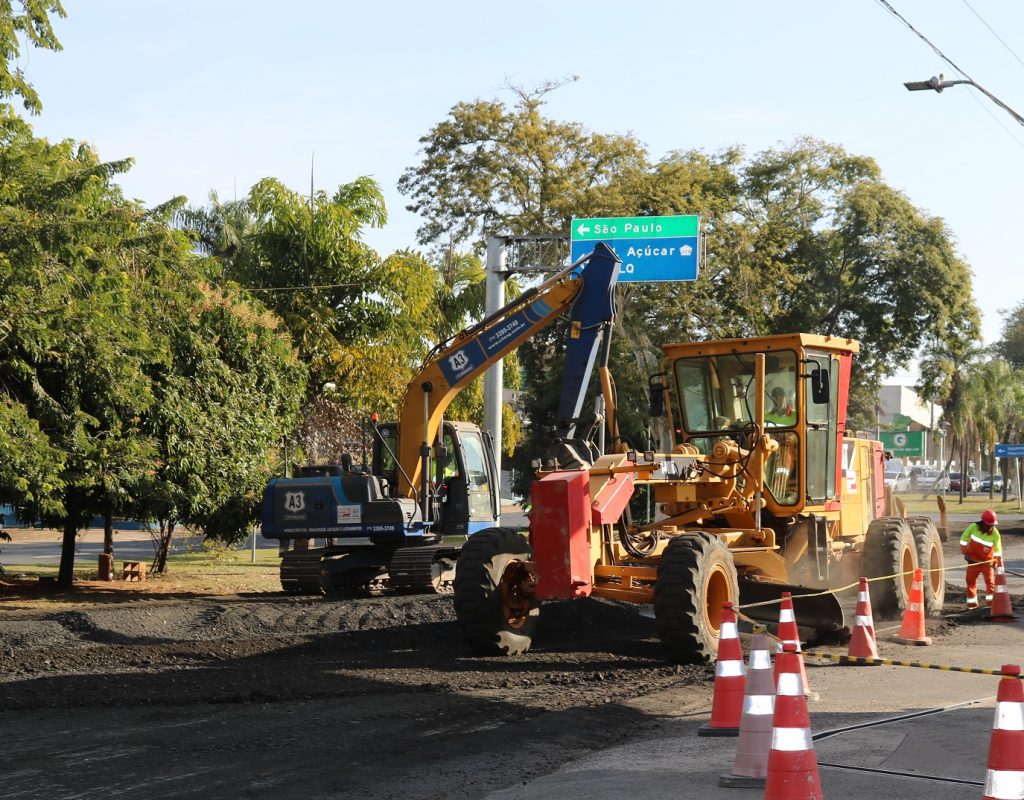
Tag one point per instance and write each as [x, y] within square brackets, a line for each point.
[760, 489]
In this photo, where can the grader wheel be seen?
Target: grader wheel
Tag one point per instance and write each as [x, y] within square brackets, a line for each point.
[929, 558]
[889, 549]
[696, 575]
[495, 593]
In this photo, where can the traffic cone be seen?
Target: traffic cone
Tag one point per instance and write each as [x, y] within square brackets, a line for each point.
[1001, 610]
[1006, 747]
[912, 630]
[751, 764]
[863, 643]
[792, 764]
[727, 705]
[790, 634]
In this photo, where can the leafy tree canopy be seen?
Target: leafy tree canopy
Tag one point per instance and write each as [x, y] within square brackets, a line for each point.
[804, 237]
[30, 25]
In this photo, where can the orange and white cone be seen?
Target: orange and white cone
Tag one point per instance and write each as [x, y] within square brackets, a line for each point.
[863, 643]
[790, 634]
[912, 630]
[1002, 610]
[792, 763]
[751, 763]
[1005, 778]
[730, 680]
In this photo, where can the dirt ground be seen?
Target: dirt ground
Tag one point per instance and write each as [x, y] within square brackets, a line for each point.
[174, 694]
[277, 696]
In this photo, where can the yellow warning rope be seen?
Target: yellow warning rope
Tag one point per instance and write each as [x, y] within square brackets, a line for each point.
[853, 585]
[894, 663]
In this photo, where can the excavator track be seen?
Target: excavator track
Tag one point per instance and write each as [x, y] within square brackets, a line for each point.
[423, 569]
[300, 571]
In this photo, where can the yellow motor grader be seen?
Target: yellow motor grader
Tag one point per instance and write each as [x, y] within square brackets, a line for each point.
[760, 489]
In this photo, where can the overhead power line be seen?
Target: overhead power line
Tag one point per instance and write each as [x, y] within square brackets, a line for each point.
[992, 31]
[968, 79]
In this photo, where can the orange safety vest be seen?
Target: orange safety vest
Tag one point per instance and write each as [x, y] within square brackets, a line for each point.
[978, 546]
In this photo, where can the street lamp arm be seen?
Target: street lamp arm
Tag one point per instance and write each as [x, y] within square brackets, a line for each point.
[937, 84]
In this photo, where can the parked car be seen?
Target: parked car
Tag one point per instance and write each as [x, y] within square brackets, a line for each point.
[931, 480]
[897, 480]
[991, 482]
[971, 484]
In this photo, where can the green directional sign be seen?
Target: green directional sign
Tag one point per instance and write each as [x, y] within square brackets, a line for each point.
[652, 249]
[608, 228]
[904, 444]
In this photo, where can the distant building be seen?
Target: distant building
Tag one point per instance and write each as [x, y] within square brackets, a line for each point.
[897, 403]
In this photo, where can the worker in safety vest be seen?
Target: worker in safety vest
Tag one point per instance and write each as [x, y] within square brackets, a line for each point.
[781, 411]
[980, 543]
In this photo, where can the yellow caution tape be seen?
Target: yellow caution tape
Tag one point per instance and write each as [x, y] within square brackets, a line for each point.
[853, 585]
[894, 663]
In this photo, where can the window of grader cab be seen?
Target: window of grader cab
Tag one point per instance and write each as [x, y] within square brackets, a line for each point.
[717, 397]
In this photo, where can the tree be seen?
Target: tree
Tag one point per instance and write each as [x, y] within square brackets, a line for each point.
[357, 321]
[34, 26]
[71, 360]
[1011, 346]
[488, 169]
[946, 373]
[126, 383]
[801, 238]
[227, 390]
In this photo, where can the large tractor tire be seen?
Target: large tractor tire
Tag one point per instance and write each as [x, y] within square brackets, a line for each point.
[930, 559]
[889, 549]
[495, 603]
[696, 575]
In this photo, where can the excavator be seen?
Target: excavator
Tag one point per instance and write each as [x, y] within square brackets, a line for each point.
[757, 488]
[384, 527]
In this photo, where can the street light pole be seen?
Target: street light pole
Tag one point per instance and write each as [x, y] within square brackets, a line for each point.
[937, 84]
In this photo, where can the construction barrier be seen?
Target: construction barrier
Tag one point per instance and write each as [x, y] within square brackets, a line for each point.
[892, 662]
[750, 766]
[792, 772]
[912, 631]
[1005, 777]
[863, 643]
[849, 586]
[790, 634]
[730, 680]
[1002, 610]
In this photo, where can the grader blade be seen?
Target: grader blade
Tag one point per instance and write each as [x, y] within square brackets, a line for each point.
[819, 616]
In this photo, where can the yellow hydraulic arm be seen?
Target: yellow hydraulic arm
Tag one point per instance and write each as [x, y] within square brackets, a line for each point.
[586, 287]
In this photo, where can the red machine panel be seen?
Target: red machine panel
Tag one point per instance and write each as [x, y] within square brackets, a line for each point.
[560, 535]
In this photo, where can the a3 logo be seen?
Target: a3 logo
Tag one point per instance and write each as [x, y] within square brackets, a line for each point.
[295, 501]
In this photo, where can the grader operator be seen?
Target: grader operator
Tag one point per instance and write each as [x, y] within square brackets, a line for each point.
[760, 488]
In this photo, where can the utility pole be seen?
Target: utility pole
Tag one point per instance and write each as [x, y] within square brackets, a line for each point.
[494, 378]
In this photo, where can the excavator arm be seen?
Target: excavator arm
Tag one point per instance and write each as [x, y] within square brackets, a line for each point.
[586, 289]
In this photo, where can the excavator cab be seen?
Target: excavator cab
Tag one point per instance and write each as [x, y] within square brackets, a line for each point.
[465, 487]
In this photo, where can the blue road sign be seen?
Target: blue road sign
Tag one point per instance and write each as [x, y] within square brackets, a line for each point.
[1010, 451]
[651, 248]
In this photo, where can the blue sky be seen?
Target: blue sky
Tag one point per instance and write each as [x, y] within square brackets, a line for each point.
[217, 94]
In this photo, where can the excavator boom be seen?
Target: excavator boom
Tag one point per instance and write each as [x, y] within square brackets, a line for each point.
[586, 289]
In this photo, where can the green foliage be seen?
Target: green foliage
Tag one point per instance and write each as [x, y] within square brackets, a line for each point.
[804, 238]
[356, 320]
[488, 169]
[32, 25]
[1011, 346]
[127, 385]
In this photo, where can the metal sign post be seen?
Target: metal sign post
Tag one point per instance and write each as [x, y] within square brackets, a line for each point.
[1016, 452]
